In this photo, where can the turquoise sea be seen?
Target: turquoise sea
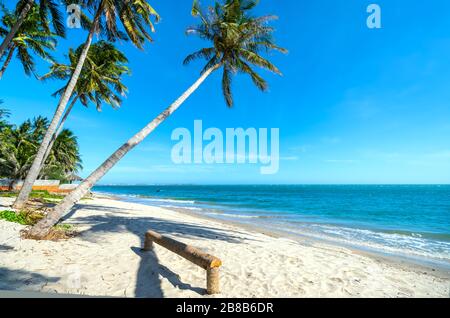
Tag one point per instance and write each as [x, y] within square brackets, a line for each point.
[403, 220]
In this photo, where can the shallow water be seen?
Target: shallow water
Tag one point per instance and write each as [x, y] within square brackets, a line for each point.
[404, 220]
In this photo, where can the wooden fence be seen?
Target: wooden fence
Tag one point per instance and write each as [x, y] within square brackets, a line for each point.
[208, 262]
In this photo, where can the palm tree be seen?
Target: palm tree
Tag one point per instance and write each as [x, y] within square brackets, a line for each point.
[32, 36]
[236, 42]
[18, 145]
[100, 80]
[64, 158]
[135, 16]
[23, 8]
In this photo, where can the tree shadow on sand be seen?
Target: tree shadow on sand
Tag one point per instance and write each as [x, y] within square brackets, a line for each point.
[23, 280]
[5, 248]
[110, 222]
[148, 282]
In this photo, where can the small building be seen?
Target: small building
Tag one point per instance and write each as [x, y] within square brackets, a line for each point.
[53, 186]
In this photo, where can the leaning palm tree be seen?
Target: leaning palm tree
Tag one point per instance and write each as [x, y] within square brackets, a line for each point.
[135, 16]
[100, 80]
[236, 42]
[32, 37]
[22, 10]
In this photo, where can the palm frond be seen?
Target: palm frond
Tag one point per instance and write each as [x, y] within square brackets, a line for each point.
[238, 41]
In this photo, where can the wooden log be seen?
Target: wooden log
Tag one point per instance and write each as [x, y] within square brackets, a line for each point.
[190, 253]
[148, 244]
[212, 281]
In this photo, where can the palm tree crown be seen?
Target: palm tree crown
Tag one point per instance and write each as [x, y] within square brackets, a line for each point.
[18, 145]
[21, 12]
[237, 41]
[64, 159]
[33, 36]
[46, 8]
[101, 77]
[134, 15]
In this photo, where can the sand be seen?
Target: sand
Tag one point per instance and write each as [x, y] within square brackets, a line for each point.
[106, 260]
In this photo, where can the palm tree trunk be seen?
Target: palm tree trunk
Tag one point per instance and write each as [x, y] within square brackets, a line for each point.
[58, 131]
[33, 173]
[9, 37]
[7, 61]
[43, 226]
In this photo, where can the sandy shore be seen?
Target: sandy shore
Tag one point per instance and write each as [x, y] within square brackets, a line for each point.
[105, 260]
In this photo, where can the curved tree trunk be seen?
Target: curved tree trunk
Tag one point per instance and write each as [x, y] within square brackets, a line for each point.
[7, 61]
[58, 131]
[33, 173]
[9, 37]
[43, 226]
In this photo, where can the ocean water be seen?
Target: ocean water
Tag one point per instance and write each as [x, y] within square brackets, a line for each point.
[403, 220]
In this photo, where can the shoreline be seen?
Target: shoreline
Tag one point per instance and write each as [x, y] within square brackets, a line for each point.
[399, 260]
[429, 266]
[106, 255]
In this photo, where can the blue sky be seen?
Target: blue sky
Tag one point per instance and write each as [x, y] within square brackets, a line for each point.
[355, 105]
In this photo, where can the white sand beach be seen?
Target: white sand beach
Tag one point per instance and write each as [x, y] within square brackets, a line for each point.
[105, 260]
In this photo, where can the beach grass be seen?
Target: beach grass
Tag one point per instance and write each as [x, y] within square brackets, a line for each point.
[36, 194]
[14, 217]
[30, 218]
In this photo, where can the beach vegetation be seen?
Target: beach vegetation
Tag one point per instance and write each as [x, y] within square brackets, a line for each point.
[35, 194]
[18, 145]
[236, 42]
[23, 217]
[12, 216]
[29, 218]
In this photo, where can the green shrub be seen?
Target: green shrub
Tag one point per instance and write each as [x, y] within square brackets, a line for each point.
[63, 227]
[45, 195]
[7, 194]
[36, 194]
[31, 218]
[12, 216]
[23, 217]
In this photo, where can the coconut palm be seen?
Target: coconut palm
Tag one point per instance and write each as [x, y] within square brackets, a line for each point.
[18, 146]
[23, 8]
[32, 37]
[236, 41]
[100, 80]
[64, 158]
[135, 17]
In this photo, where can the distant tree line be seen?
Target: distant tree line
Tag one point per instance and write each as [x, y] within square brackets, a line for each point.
[19, 144]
